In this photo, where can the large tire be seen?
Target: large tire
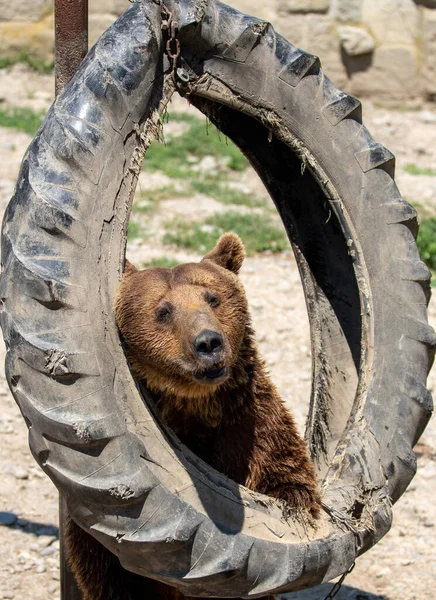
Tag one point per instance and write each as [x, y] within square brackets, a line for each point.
[128, 481]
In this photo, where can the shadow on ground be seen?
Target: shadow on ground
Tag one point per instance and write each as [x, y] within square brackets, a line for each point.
[10, 519]
[320, 592]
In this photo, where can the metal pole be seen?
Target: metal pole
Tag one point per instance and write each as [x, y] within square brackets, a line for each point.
[71, 46]
[71, 39]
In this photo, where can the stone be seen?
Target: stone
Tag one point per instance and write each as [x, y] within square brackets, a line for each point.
[115, 7]
[25, 10]
[17, 472]
[40, 567]
[46, 536]
[427, 116]
[355, 40]
[393, 22]
[392, 74]
[293, 28]
[322, 40]
[346, 11]
[119, 6]
[34, 39]
[5, 427]
[383, 572]
[264, 10]
[304, 6]
[48, 550]
[97, 24]
[429, 52]
[100, 6]
[317, 35]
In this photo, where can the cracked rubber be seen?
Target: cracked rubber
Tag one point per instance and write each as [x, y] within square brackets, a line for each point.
[128, 481]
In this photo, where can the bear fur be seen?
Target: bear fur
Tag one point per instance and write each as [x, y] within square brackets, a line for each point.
[188, 334]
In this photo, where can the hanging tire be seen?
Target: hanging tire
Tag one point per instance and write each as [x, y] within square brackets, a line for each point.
[127, 480]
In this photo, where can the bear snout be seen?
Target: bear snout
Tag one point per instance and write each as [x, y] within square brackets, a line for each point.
[209, 344]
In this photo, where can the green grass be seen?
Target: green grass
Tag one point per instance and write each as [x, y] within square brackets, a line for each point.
[36, 64]
[160, 261]
[427, 242]
[415, 170]
[199, 140]
[258, 232]
[147, 203]
[226, 195]
[135, 230]
[23, 119]
[145, 206]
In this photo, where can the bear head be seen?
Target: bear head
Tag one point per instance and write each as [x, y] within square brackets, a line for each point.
[184, 327]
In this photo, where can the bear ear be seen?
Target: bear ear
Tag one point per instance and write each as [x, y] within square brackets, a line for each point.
[228, 253]
[129, 269]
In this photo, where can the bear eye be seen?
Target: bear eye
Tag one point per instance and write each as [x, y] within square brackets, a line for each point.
[164, 312]
[212, 299]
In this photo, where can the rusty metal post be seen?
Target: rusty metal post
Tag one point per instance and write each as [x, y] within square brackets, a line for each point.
[71, 39]
[71, 46]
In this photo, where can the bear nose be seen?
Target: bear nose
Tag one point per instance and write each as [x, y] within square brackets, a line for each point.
[208, 343]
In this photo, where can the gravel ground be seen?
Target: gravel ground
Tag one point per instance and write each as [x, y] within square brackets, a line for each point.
[402, 564]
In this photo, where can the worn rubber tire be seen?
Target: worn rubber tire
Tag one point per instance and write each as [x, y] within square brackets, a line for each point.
[127, 480]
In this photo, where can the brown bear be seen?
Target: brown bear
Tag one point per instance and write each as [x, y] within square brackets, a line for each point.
[188, 334]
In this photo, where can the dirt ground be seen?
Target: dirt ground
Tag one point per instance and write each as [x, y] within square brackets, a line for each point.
[402, 565]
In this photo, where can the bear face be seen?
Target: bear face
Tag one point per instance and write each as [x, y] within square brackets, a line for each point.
[183, 327]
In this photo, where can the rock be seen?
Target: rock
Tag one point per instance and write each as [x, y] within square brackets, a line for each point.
[48, 550]
[428, 472]
[393, 74]
[17, 472]
[355, 40]
[427, 116]
[6, 428]
[97, 24]
[22, 522]
[102, 6]
[383, 572]
[119, 6]
[304, 6]
[293, 28]
[429, 52]
[316, 34]
[284, 286]
[45, 540]
[322, 40]
[40, 566]
[264, 10]
[346, 10]
[34, 39]
[7, 518]
[392, 21]
[428, 523]
[25, 10]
